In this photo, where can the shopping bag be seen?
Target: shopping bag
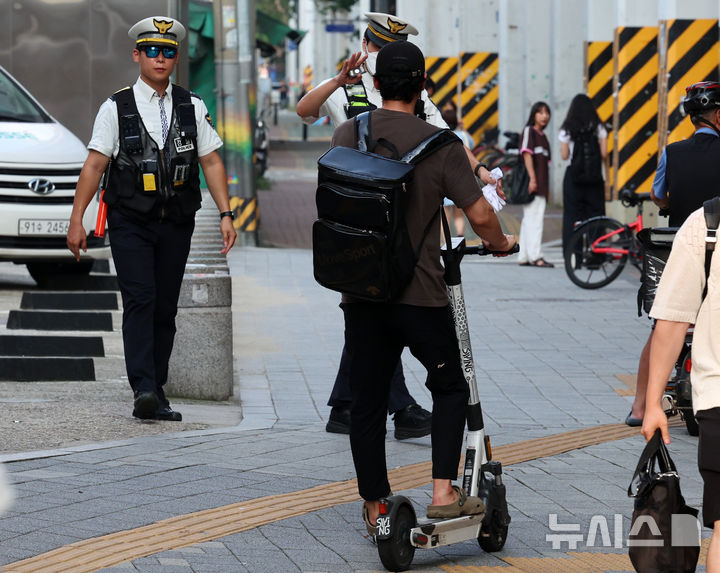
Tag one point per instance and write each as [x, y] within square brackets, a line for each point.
[665, 533]
[519, 192]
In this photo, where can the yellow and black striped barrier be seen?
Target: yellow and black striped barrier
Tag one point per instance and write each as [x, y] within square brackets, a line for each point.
[636, 112]
[599, 75]
[599, 78]
[692, 55]
[247, 213]
[444, 72]
[479, 92]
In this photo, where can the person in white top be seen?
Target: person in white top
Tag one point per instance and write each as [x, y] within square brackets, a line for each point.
[149, 141]
[680, 302]
[583, 196]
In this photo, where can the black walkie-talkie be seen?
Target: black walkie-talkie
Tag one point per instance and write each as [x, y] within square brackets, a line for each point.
[130, 139]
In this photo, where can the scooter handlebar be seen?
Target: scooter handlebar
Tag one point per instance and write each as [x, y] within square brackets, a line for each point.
[482, 250]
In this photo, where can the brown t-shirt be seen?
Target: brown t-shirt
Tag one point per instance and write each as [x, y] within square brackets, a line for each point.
[445, 173]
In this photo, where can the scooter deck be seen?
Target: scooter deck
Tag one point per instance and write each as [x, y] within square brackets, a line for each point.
[431, 533]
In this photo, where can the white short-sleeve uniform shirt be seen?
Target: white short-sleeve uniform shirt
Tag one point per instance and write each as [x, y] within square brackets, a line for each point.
[106, 132]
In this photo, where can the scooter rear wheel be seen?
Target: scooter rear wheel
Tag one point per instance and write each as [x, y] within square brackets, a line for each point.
[493, 538]
[396, 552]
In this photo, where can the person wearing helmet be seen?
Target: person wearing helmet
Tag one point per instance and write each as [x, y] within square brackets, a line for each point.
[687, 175]
[349, 93]
[688, 170]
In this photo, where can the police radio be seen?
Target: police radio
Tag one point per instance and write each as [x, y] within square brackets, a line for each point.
[186, 118]
[130, 138]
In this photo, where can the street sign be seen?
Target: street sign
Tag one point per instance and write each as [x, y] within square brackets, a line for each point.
[344, 26]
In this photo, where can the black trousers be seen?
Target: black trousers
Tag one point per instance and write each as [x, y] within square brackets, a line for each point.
[580, 202]
[375, 335]
[150, 262]
[341, 397]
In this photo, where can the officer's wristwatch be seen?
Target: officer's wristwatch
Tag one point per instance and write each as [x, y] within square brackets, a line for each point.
[230, 214]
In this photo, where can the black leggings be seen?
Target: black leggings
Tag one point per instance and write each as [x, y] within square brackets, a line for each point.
[375, 335]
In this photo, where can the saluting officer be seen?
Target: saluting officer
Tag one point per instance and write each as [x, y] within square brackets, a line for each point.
[151, 138]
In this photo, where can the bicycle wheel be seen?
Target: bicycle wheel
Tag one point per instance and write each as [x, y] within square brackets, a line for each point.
[587, 261]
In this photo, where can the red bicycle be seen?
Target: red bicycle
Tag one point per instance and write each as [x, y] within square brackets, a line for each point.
[600, 247]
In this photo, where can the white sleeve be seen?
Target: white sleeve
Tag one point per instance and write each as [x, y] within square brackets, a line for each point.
[601, 131]
[432, 113]
[106, 132]
[333, 107]
[208, 139]
[563, 136]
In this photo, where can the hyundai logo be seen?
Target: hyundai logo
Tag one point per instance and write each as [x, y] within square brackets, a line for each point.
[41, 186]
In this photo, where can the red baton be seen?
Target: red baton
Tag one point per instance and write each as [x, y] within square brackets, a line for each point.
[101, 217]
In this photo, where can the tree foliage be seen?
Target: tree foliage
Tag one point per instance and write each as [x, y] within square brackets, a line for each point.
[278, 9]
[334, 6]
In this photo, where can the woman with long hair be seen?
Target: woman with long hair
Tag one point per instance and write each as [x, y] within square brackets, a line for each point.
[583, 140]
[535, 152]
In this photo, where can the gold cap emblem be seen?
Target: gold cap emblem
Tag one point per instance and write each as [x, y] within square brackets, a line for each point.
[395, 27]
[162, 25]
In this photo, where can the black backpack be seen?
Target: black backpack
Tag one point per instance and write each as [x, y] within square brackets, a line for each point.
[586, 162]
[361, 245]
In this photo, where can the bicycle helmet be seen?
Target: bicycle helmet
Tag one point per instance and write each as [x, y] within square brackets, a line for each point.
[700, 97]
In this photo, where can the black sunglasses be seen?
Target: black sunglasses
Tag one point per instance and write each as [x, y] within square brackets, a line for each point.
[154, 51]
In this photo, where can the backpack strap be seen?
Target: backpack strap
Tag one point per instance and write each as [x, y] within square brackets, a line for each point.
[363, 140]
[711, 210]
[363, 137]
[430, 145]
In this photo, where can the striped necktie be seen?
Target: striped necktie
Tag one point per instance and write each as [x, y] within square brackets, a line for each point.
[163, 119]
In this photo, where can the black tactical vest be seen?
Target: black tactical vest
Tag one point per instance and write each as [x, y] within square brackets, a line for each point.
[146, 182]
[692, 175]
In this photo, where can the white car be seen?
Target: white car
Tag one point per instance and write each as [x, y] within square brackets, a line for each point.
[40, 161]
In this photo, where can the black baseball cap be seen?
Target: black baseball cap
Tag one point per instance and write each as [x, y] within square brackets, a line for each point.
[400, 59]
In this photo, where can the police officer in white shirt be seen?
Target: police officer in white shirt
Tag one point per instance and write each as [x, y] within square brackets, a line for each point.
[151, 140]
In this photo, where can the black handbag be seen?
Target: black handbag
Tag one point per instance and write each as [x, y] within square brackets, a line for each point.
[519, 189]
[665, 533]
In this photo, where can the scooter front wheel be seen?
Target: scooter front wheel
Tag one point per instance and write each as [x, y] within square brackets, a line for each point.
[493, 537]
[396, 552]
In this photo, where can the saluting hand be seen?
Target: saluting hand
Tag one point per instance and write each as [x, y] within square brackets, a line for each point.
[354, 61]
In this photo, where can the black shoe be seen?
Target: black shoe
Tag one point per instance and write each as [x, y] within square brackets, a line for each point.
[167, 413]
[146, 405]
[412, 422]
[339, 422]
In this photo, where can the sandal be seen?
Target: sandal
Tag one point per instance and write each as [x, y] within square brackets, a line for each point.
[463, 505]
[525, 264]
[633, 422]
[371, 529]
[542, 263]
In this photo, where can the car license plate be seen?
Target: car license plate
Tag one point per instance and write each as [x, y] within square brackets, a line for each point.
[43, 227]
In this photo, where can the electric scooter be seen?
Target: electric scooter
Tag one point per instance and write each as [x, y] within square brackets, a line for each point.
[399, 531]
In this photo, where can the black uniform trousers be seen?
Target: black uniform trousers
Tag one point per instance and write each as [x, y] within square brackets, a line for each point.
[375, 335]
[341, 397]
[580, 202]
[150, 263]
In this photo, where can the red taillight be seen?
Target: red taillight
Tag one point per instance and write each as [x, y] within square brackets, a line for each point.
[420, 539]
[688, 364]
[383, 508]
